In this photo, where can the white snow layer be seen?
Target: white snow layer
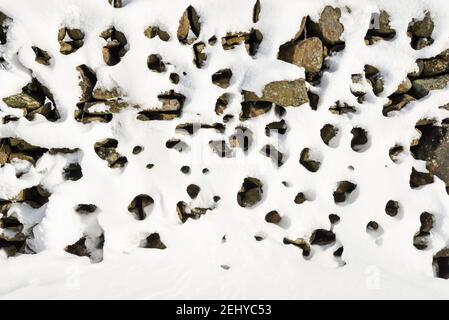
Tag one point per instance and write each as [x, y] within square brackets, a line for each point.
[383, 266]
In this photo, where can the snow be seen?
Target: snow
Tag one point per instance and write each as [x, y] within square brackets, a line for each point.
[376, 266]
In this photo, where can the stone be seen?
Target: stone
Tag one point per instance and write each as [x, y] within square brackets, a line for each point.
[105, 94]
[300, 198]
[328, 28]
[283, 93]
[392, 208]
[300, 243]
[279, 127]
[153, 241]
[359, 138]
[435, 66]
[185, 213]
[441, 263]
[86, 208]
[250, 193]
[193, 190]
[380, 28]
[200, 55]
[307, 54]
[256, 11]
[155, 63]
[307, 162]
[42, 56]
[189, 22]
[328, 132]
[344, 189]
[22, 101]
[404, 87]
[422, 28]
[138, 206]
[115, 3]
[222, 78]
[396, 103]
[87, 83]
[422, 87]
[273, 217]
[252, 109]
[322, 237]
[419, 179]
[105, 149]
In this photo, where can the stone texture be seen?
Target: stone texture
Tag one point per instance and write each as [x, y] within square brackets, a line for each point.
[283, 93]
[307, 53]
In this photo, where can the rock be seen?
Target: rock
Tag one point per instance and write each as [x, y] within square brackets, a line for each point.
[4, 19]
[189, 22]
[273, 217]
[70, 40]
[86, 208]
[174, 78]
[200, 55]
[422, 28]
[421, 238]
[185, 169]
[359, 138]
[222, 78]
[283, 93]
[307, 54]
[78, 248]
[42, 56]
[404, 87]
[250, 193]
[151, 32]
[300, 243]
[138, 206]
[328, 28]
[322, 237]
[340, 108]
[279, 127]
[396, 103]
[193, 190]
[418, 179]
[87, 83]
[5, 151]
[115, 3]
[75, 34]
[300, 198]
[155, 63]
[307, 162]
[22, 101]
[105, 149]
[380, 29]
[137, 150]
[252, 109]
[334, 219]
[422, 87]
[153, 241]
[115, 47]
[328, 132]
[344, 188]
[392, 208]
[441, 263]
[252, 40]
[256, 11]
[185, 213]
[436, 66]
[395, 151]
[222, 103]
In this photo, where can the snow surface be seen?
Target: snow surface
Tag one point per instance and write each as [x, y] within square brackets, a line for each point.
[384, 266]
